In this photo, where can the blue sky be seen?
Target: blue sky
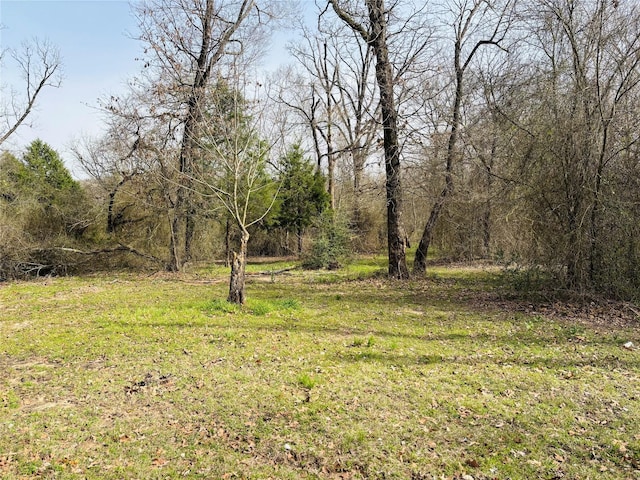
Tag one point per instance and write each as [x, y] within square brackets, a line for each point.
[98, 56]
[98, 53]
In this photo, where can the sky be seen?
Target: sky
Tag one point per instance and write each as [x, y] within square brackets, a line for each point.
[98, 54]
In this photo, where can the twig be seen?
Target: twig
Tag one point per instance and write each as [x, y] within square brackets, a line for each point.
[276, 272]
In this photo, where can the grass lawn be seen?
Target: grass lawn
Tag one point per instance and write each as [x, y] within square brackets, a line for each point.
[322, 375]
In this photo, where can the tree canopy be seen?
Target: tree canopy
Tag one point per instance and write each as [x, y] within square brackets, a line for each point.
[43, 169]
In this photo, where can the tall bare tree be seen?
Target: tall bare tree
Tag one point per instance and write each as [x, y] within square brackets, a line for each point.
[184, 42]
[373, 29]
[477, 23]
[358, 111]
[339, 104]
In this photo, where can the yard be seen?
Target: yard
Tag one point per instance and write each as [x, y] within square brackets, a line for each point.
[341, 375]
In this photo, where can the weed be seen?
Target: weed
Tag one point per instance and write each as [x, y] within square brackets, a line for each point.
[264, 307]
[361, 342]
[306, 381]
[289, 304]
[259, 307]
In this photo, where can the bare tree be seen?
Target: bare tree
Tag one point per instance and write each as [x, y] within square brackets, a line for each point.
[373, 29]
[185, 41]
[316, 100]
[40, 66]
[339, 105]
[582, 124]
[234, 166]
[133, 162]
[476, 23]
[359, 110]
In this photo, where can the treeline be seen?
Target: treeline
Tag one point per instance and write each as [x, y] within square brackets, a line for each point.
[53, 224]
[484, 128]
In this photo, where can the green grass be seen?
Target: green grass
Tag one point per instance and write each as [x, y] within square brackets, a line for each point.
[321, 375]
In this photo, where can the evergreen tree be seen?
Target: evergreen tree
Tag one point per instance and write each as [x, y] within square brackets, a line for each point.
[41, 208]
[56, 199]
[10, 168]
[303, 196]
[44, 172]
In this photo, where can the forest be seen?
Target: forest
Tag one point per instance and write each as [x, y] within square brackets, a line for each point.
[471, 129]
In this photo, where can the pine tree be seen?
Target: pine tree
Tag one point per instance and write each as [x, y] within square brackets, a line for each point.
[303, 196]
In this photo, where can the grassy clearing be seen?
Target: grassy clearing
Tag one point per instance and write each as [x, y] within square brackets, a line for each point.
[322, 375]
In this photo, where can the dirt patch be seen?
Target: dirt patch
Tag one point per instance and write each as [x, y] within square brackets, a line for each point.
[42, 406]
[7, 361]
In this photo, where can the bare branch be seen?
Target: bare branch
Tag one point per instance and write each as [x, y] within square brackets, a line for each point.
[349, 20]
[40, 64]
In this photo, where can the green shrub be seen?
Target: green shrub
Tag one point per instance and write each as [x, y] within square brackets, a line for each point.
[330, 244]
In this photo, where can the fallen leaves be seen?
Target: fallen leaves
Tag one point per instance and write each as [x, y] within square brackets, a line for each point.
[159, 462]
[472, 462]
[150, 380]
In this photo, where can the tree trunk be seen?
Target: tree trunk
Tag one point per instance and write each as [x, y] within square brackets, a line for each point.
[486, 218]
[331, 161]
[331, 168]
[227, 243]
[184, 223]
[358, 169]
[420, 260]
[238, 265]
[395, 238]
[486, 229]
[376, 36]
[300, 232]
[173, 265]
[185, 211]
[190, 226]
[111, 218]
